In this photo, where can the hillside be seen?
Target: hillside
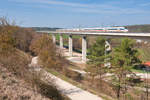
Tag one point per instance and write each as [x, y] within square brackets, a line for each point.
[17, 79]
[139, 28]
[12, 88]
[44, 29]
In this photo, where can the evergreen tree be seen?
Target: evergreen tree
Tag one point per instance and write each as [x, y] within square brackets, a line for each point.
[124, 57]
[97, 59]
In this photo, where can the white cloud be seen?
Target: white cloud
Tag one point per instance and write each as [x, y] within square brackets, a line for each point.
[86, 8]
[63, 3]
[53, 2]
[119, 11]
[67, 4]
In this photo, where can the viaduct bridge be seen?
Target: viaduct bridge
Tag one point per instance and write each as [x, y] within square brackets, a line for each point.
[141, 36]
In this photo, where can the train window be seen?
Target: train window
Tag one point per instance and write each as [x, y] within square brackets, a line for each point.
[112, 29]
[98, 29]
[121, 29]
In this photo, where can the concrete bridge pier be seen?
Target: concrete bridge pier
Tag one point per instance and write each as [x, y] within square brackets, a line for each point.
[54, 38]
[70, 45]
[84, 48]
[61, 41]
[107, 49]
[107, 46]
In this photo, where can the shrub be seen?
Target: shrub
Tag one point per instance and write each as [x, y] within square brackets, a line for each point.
[45, 49]
[73, 75]
[23, 38]
[7, 42]
[11, 35]
[49, 55]
[12, 58]
[48, 90]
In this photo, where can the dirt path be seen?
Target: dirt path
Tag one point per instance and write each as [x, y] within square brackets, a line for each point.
[73, 92]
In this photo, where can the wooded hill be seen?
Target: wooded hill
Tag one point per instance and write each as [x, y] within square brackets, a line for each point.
[139, 28]
[44, 29]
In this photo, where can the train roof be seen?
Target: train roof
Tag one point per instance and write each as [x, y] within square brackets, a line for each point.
[93, 28]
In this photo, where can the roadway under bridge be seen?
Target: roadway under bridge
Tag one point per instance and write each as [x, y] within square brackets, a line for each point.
[140, 36]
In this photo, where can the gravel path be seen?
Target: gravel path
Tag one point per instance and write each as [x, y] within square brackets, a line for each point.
[73, 92]
[143, 75]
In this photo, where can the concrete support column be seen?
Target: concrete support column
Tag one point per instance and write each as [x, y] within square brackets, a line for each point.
[70, 45]
[84, 48]
[54, 38]
[107, 46]
[107, 49]
[61, 42]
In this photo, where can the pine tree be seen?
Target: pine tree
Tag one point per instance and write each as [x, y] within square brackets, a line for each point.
[124, 57]
[97, 59]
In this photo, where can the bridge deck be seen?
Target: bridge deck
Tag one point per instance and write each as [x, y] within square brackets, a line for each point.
[145, 35]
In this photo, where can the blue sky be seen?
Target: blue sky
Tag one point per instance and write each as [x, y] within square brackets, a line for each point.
[75, 13]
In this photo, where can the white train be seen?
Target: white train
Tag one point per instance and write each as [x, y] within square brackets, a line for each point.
[98, 29]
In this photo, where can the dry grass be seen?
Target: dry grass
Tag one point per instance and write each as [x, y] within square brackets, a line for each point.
[14, 42]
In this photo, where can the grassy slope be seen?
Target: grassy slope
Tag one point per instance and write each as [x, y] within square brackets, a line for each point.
[145, 54]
